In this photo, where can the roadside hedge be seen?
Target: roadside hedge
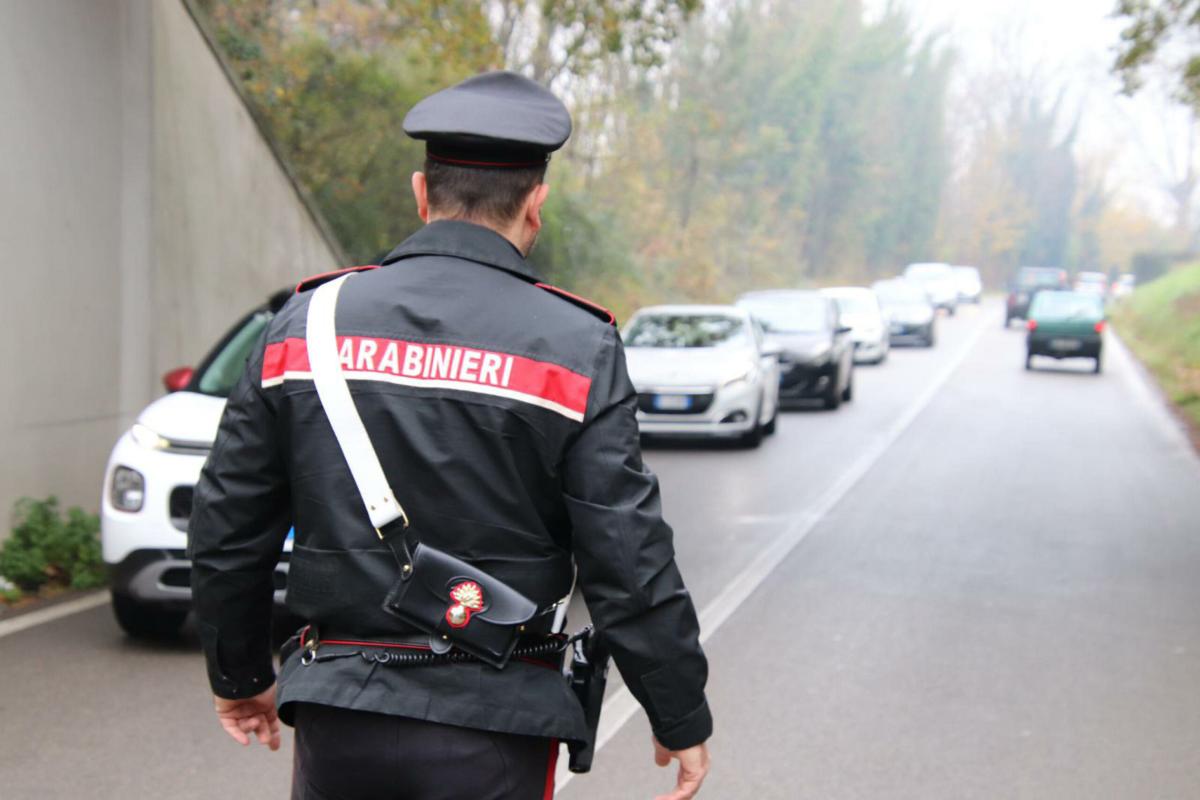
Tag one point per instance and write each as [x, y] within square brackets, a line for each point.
[52, 550]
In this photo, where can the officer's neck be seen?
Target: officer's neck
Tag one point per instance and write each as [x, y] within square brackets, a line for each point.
[515, 233]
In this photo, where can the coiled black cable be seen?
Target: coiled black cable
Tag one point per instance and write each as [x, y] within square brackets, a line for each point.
[409, 658]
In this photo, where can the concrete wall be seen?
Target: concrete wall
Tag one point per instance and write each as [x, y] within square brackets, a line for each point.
[140, 213]
[229, 228]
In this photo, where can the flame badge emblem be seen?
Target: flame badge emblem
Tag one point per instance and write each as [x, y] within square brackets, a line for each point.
[466, 597]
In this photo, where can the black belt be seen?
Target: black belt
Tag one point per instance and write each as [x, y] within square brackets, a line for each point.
[414, 650]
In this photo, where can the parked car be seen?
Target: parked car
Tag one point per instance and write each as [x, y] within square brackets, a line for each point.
[911, 315]
[1065, 324]
[1124, 285]
[816, 354]
[148, 484]
[970, 285]
[1092, 283]
[1027, 283]
[939, 282]
[859, 308]
[702, 371]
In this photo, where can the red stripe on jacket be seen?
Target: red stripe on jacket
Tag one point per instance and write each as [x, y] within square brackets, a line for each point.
[418, 363]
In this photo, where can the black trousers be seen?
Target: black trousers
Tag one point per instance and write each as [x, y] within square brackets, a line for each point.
[347, 755]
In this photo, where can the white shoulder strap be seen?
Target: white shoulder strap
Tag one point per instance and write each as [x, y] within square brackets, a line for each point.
[321, 335]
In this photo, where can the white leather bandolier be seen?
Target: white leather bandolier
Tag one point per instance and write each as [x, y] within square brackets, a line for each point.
[321, 335]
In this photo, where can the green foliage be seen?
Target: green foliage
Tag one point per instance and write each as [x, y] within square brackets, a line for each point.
[561, 37]
[1161, 322]
[1152, 26]
[46, 549]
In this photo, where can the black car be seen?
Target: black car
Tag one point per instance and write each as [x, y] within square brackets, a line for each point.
[816, 360]
[1027, 283]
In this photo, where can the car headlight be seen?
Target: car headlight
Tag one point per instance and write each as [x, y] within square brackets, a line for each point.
[745, 374]
[819, 355]
[128, 490]
[147, 438]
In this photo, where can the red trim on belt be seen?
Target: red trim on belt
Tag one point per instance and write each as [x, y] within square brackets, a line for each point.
[396, 645]
[549, 793]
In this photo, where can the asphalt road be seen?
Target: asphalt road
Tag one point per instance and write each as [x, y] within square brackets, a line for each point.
[971, 582]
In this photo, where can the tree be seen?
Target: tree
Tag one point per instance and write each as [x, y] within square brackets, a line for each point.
[1153, 26]
[557, 37]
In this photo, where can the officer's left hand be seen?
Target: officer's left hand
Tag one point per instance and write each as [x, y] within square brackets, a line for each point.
[252, 715]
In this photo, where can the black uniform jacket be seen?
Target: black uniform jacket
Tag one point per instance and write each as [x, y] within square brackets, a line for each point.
[503, 416]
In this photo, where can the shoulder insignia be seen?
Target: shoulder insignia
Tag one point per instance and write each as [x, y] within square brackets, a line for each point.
[316, 280]
[587, 305]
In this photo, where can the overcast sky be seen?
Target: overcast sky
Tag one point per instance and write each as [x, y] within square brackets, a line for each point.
[1073, 43]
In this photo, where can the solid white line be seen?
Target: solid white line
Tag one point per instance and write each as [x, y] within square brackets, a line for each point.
[619, 708]
[85, 603]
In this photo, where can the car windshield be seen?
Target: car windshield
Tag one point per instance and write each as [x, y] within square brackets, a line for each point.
[1034, 278]
[1067, 305]
[226, 365]
[686, 330]
[800, 313]
[855, 303]
[900, 293]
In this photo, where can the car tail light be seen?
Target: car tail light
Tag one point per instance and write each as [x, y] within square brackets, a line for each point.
[1031, 324]
[178, 379]
[1100, 326]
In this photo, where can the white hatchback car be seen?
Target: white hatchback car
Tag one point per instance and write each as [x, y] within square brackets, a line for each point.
[859, 308]
[938, 280]
[147, 497]
[703, 370]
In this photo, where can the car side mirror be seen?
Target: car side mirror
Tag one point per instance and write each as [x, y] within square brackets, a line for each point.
[843, 329]
[178, 378]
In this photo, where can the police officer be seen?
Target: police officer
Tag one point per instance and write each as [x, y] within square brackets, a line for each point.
[504, 419]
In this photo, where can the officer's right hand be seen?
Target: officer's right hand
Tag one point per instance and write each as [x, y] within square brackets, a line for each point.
[693, 767]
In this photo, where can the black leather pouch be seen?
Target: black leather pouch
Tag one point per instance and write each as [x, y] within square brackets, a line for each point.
[459, 605]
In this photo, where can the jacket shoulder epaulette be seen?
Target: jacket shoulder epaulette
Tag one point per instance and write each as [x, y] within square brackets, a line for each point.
[316, 280]
[594, 309]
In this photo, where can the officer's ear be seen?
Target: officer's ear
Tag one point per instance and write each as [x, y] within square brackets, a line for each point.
[533, 206]
[421, 193]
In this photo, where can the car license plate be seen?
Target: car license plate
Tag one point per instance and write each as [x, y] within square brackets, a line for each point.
[1066, 344]
[672, 402]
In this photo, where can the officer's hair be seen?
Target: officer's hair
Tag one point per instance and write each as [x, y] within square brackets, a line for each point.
[481, 195]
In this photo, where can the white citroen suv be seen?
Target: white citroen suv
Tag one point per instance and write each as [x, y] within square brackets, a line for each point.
[148, 484]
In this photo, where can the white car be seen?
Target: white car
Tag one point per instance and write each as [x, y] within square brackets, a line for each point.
[970, 285]
[1095, 283]
[939, 283]
[702, 370]
[859, 308]
[1124, 285]
[147, 497]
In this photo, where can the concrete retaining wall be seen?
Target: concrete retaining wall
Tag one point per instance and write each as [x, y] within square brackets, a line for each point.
[141, 212]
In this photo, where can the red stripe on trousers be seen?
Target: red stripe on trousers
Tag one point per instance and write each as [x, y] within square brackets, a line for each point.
[549, 794]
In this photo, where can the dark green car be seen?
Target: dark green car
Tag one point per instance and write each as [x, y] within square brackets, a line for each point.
[1065, 325]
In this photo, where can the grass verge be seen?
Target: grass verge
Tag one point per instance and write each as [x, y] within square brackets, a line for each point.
[1160, 322]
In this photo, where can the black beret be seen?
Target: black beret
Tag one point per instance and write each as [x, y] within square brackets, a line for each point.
[498, 120]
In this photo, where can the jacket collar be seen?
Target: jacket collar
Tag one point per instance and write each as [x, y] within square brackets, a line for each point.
[467, 240]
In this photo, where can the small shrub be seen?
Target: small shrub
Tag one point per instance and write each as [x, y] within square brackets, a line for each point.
[48, 550]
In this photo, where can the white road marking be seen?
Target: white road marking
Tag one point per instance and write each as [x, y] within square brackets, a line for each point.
[621, 706]
[58, 611]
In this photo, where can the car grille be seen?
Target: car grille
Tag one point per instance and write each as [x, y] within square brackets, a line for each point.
[700, 403]
[179, 506]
